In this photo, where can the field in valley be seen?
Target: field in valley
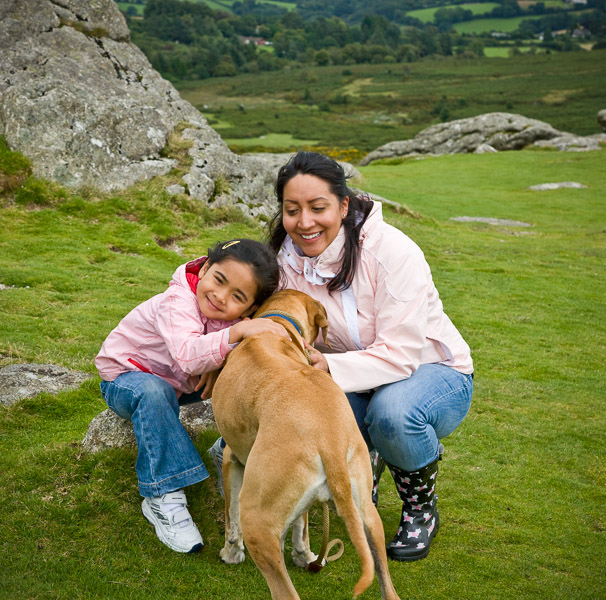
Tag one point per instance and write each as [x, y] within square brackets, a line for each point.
[361, 107]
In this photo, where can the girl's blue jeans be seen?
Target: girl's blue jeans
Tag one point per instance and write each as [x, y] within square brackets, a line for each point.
[405, 421]
[167, 459]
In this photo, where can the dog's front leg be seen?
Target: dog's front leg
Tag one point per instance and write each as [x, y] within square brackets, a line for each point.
[301, 551]
[233, 472]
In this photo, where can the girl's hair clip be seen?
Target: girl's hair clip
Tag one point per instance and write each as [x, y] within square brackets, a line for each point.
[226, 246]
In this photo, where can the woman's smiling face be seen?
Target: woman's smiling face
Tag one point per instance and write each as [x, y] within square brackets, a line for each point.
[311, 213]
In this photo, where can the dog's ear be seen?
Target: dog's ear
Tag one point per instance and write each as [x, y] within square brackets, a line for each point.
[321, 321]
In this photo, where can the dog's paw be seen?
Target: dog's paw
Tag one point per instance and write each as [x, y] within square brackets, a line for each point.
[302, 559]
[232, 555]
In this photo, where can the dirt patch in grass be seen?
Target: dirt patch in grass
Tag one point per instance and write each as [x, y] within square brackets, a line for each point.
[558, 97]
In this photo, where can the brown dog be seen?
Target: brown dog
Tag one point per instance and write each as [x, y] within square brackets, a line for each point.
[292, 440]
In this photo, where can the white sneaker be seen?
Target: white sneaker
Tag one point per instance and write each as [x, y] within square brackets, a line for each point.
[173, 523]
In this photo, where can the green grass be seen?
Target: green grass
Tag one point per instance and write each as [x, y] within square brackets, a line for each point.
[425, 15]
[492, 24]
[273, 140]
[15, 168]
[500, 51]
[522, 486]
[365, 106]
[225, 5]
[222, 5]
[285, 5]
[548, 3]
[124, 6]
[496, 52]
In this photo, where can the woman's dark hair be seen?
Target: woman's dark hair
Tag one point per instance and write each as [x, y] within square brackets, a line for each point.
[260, 258]
[324, 167]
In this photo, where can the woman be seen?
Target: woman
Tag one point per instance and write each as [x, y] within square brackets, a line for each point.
[405, 368]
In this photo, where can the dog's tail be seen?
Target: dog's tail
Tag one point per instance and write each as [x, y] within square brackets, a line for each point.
[346, 500]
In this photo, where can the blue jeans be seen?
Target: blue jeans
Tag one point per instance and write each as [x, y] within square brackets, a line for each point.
[405, 421]
[167, 459]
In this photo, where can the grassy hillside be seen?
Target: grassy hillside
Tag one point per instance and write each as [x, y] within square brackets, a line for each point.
[361, 107]
[425, 15]
[220, 5]
[125, 7]
[522, 486]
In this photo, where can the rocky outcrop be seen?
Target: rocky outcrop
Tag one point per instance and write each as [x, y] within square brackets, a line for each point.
[78, 99]
[491, 221]
[108, 430]
[569, 142]
[484, 133]
[602, 119]
[219, 177]
[485, 149]
[29, 379]
[542, 187]
[84, 104]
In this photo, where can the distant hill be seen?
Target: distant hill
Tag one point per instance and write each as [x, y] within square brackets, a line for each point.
[354, 11]
[502, 15]
[196, 39]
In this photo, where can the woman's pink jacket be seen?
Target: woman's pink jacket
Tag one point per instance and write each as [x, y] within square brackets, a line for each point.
[398, 323]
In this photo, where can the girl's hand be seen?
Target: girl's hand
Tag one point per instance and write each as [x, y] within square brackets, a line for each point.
[207, 379]
[317, 359]
[249, 327]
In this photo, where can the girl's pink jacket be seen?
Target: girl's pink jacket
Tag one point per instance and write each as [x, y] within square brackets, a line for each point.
[168, 336]
[398, 323]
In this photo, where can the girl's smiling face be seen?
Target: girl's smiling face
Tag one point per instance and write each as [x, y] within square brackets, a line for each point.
[311, 213]
[226, 290]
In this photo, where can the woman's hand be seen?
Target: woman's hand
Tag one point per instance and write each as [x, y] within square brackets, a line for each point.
[317, 359]
[249, 327]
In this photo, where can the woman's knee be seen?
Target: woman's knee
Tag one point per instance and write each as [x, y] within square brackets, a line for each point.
[398, 424]
[394, 413]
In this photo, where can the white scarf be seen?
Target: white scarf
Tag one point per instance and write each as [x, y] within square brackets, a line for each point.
[316, 276]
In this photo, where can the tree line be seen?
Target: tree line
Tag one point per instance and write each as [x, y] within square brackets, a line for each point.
[188, 40]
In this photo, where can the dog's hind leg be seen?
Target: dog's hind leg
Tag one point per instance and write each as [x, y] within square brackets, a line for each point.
[267, 509]
[233, 473]
[263, 541]
[301, 551]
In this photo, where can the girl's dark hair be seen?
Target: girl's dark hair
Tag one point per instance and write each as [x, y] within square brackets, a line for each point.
[324, 167]
[250, 252]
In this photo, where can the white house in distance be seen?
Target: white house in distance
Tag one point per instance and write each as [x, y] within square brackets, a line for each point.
[257, 41]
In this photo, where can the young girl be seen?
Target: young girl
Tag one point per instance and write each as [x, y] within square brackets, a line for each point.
[171, 346]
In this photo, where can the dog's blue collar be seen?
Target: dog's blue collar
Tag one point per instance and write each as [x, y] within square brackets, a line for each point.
[296, 324]
[289, 319]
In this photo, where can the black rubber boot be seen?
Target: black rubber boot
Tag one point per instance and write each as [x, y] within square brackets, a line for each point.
[378, 466]
[420, 520]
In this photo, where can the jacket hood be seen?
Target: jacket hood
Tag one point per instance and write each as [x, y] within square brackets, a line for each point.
[179, 277]
[192, 267]
[374, 218]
